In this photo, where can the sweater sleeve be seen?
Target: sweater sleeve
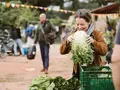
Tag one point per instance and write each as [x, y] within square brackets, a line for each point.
[99, 44]
[65, 47]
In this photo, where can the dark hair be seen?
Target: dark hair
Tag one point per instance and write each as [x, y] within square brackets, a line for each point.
[83, 13]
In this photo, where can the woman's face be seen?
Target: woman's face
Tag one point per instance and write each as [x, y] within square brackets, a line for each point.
[81, 24]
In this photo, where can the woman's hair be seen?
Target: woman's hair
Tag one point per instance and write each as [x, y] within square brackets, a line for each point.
[84, 13]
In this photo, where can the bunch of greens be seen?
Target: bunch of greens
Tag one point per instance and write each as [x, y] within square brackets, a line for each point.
[42, 83]
[70, 84]
[81, 50]
[58, 83]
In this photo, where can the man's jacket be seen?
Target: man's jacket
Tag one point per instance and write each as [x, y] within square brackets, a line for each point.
[48, 28]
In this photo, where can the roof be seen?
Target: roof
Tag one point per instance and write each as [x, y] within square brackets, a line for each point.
[109, 9]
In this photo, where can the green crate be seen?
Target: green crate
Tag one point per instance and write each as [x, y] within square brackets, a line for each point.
[96, 78]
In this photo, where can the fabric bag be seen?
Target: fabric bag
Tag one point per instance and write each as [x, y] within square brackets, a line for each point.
[31, 52]
[49, 37]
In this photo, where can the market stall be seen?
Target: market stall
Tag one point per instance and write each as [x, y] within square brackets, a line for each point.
[109, 9]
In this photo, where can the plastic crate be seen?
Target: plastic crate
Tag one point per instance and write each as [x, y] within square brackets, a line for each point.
[96, 78]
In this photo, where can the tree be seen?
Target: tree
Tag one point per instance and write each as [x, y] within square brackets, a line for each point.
[19, 16]
[102, 2]
[42, 3]
[15, 1]
[58, 2]
[75, 4]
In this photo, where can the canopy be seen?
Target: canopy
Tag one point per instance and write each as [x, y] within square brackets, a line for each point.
[109, 9]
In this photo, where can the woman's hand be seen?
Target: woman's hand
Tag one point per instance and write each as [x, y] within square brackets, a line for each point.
[90, 40]
[70, 38]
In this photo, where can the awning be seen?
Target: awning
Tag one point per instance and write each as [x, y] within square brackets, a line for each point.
[109, 9]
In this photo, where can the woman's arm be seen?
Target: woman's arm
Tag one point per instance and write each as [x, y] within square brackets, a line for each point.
[65, 47]
[99, 44]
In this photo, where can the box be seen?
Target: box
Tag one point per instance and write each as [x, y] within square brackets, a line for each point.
[96, 78]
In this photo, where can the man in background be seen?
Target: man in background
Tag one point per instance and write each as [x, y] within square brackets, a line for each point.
[44, 30]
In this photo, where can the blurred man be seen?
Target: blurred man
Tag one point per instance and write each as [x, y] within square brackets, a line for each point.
[44, 30]
[116, 61]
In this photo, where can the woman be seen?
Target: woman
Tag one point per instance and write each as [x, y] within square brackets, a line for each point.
[83, 22]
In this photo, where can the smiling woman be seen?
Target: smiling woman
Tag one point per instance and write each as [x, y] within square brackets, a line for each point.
[94, 38]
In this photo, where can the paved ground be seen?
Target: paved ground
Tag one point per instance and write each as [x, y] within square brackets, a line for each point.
[16, 73]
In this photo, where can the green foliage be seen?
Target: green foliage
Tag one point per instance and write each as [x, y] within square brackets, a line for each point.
[88, 6]
[42, 3]
[76, 4]
[54, 17]
[57, 83]
[102, 2]
[27, 15]
[41, 83]
[118, 1]
[21, 16]
[17, 16]
[9, 16]
[56, 20]
[79, 5]
[9, 0]
[82, 54]
[80, 49]
[113, 23]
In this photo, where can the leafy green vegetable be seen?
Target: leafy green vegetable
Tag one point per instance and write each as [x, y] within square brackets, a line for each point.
[81, 50]
[51, 86]
[41, 83]
[74, 84]
[58, 83]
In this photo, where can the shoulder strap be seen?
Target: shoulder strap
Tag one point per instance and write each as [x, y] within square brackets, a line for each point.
[43, 32]
[91, 29]
[41, 29]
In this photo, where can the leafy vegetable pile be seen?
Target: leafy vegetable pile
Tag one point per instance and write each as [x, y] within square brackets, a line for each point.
[58, 83]
[81, 50]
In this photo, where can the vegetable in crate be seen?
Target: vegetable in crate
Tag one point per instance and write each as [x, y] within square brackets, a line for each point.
[81, 50]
